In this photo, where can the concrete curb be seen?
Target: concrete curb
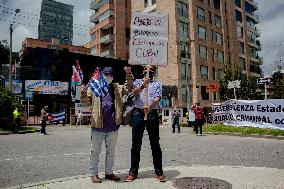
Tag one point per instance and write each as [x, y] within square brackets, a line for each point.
[238, 176]
[247, 135]
[20, 132]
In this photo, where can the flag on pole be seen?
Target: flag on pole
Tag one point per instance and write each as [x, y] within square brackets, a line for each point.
[55, 117]
[98, 84]
[81, 75]
[75, 76]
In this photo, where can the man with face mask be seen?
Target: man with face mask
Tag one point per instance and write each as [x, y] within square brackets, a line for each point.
[105, 120]
[151, 124]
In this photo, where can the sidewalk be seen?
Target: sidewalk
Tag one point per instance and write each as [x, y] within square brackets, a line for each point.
[237, 177]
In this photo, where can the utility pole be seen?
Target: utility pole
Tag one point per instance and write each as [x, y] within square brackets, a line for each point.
[11, 50]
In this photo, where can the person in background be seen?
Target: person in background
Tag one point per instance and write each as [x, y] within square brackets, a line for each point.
[44, 117]
[79, 117]
[151, 124]
[198, 123]
[105, 120]
[17, 118]
[175, 117]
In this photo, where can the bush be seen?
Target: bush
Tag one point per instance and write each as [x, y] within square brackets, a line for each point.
[7, 105]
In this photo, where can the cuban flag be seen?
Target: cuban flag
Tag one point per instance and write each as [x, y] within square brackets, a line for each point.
[55, 117]
[98, 84]
[81, 75]
[76, 76]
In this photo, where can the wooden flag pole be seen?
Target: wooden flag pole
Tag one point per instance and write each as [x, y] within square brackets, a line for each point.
[147, 91]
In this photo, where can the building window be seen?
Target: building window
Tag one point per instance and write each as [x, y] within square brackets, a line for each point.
[252, 52]
[217, 4]
[203, 52]
[210, 17]
[184, 51]
[238, 3]
[240, 32]
[204, 72]
[221, 73]
[241, 48]
[182, 9]
[200, 14]
[238, 16]
[201, 32]
[183, 29]
[220, 56]
[242, 64]
[218, 21]
[212, 55]
[251, 37]
[213, 74]
[94, 50]
[183, 71]
[93, 36]
[212, 35]
[219, 38]
[204, 95]
[166, 112]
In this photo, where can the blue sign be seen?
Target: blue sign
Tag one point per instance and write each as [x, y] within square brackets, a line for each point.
[29, 95]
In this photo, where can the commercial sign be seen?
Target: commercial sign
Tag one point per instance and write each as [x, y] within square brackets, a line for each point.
[47, 87]
[16, 86]
[149, 39]
[254, 113]
[212, 88]
[85, 110]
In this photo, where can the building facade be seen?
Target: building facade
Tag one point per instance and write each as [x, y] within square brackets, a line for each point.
[203, 36]
[56, 21]
[111, 32]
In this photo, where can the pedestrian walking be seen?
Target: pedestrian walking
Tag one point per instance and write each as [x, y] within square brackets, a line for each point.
[151, 124]
[199, 121]
[17, 119]
[44, 117]
[105, 120]
[79, 117]
[175, 118]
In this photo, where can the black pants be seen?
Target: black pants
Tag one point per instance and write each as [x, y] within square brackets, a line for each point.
[198, 124]
[43, 125]
[176, 122]
[152, 127]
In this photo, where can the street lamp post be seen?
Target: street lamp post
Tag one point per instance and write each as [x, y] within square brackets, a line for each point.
[11, 50]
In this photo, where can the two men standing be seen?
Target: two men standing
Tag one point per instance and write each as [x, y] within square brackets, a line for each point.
[107, 116]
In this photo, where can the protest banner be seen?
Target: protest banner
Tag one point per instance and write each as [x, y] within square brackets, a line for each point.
[47, 87]
[254, 113]
[149, 39]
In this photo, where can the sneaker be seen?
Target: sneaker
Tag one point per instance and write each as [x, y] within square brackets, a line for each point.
[96, 179]
[112, 177]
[131, 177]
[161, 178]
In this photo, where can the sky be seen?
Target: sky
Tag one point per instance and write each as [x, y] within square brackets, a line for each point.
[271, 14]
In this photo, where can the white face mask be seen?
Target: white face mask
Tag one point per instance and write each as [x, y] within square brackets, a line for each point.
[108, 79]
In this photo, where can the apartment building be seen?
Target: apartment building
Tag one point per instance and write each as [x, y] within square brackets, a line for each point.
[56, 21]
[111, 31]
[203, 36]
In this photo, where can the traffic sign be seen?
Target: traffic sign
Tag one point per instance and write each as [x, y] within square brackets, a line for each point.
[29, 95]
[261, 81]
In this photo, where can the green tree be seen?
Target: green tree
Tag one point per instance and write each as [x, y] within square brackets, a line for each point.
[7, 105]
[4, 53]
[278, 85]
[248, 84]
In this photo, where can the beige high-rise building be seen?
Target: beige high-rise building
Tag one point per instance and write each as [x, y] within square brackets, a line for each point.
[203, 35]
[111, 32]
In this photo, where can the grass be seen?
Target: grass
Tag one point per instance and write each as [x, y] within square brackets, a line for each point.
[221, 128]
[22, 129]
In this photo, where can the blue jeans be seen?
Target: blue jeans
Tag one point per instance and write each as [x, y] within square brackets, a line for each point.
[152, 127]
[97, 138]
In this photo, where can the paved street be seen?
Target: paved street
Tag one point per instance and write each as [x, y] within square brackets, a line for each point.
[64, 152]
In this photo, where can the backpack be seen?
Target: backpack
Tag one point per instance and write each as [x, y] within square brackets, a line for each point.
[128, 107]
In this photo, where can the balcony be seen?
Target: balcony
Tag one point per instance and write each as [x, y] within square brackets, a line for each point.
[252, 2]
[105, 15]
[106, 24]
[107, 39]
[108, 54]
[259, 46]
[96, 4]
[95, 17]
